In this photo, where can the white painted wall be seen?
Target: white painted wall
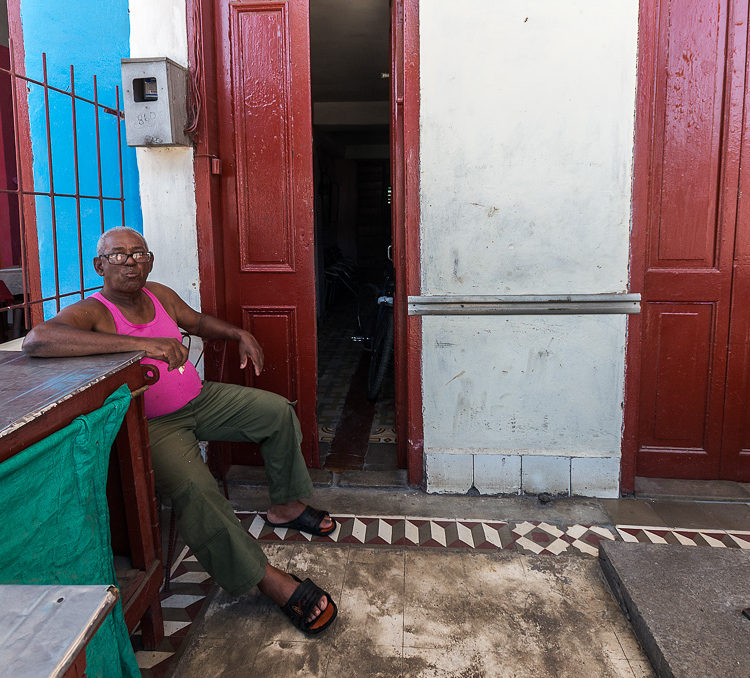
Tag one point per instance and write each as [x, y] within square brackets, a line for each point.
[526, 145]
[167, 181]
[527, 116]
[549, 385]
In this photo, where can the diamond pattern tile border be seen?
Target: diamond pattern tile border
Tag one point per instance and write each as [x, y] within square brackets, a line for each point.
[687, 537]
[191, 584]
[526, 537]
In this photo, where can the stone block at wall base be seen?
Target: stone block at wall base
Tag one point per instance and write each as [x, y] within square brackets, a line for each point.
[595, 477]
[529, 474]
[541, 473]
[497, 473]
[449, 473]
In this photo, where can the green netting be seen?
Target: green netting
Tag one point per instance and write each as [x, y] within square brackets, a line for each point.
[55, 522]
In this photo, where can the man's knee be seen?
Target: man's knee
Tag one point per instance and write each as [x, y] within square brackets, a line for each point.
[282, 421]
[277, 409]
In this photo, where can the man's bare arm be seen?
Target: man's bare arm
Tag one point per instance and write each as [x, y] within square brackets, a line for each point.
[209, 327]
[77, 330]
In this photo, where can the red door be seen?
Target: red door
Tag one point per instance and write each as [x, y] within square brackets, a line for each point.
[694, 388]
[265, 141]
[735, 463]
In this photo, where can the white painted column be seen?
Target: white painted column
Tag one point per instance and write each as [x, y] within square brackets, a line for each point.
[167, 181]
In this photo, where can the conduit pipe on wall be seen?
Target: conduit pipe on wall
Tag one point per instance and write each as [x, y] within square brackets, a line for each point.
[526, 304]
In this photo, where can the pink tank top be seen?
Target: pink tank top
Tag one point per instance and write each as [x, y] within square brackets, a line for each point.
[173, 390]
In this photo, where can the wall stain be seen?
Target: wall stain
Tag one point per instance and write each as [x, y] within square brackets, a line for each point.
[460, 374]
[455, 267]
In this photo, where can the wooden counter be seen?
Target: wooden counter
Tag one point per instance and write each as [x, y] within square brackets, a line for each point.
[39, 396]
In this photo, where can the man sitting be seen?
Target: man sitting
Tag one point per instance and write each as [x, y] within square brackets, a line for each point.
[130, 314]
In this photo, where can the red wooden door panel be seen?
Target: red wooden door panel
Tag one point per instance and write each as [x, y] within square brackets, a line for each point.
[688, 272]
[265, 137]
[735, 462]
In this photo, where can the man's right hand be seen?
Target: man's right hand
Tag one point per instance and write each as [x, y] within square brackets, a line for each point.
[167, 349]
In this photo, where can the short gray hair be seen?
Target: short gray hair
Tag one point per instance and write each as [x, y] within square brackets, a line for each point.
[114, 231]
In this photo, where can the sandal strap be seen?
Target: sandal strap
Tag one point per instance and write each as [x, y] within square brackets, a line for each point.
[312, 517]
[302, 602]
[308, 521]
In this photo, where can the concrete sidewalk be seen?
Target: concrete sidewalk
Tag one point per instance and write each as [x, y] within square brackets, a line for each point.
[437, 586]
[425, 612]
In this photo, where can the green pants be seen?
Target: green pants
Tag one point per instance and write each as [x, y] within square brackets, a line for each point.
[205, 518]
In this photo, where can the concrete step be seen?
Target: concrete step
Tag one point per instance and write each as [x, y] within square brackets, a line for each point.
[254, 476]
[670, 489]
[685, 604]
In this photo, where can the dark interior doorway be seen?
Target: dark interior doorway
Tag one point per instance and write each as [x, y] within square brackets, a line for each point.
[350, 63]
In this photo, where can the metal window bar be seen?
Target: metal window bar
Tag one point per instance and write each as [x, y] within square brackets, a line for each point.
[25, 197]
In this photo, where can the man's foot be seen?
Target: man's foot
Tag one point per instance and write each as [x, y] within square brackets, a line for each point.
[309, 607]
[297, 516]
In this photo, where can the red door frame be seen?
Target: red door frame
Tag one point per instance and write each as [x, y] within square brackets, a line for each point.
[647, 33]
[405, 118]
[405, 219]
[206, 162]
[25, 170]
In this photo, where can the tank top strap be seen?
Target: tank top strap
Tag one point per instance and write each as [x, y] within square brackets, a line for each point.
[160, 313]
[161, 319]
[117, 315]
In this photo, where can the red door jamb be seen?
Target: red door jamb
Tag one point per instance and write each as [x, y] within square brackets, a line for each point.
[25, 169]
[644, 96]
[411, 373]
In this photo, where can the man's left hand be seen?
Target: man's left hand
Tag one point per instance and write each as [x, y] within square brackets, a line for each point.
[250, 349]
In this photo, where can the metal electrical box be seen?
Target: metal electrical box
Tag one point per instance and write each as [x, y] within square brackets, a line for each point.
[155, 93]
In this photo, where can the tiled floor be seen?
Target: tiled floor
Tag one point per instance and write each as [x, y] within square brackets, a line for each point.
[338, 359]
[423, 612]
[542, 547]
[190, 589]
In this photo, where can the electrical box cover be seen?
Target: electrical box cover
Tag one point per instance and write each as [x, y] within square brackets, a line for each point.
[155, 98]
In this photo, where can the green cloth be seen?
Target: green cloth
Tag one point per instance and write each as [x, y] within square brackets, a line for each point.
[55, 522]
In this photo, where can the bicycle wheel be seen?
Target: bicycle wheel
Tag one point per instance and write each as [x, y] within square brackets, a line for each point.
[380, 358]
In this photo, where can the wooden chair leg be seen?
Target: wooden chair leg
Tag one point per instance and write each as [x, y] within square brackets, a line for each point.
[152, 627]
[171, 544]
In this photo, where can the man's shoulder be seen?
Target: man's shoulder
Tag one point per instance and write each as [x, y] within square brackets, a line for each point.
[88, 313]
[160, 290]
[166, 296]
[88, 305]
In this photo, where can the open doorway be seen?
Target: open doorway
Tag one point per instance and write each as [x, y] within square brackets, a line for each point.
[350, 84]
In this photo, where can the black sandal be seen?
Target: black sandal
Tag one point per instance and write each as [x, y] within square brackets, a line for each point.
[308, 521]
[301, 604]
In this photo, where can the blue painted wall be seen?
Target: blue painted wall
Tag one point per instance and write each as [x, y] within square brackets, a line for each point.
[92, 35]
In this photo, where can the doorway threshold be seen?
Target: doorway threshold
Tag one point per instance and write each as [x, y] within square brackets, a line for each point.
[255, 476]
[671, 489]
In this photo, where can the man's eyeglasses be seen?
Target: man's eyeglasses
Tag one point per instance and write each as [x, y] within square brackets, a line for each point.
[119, 258]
